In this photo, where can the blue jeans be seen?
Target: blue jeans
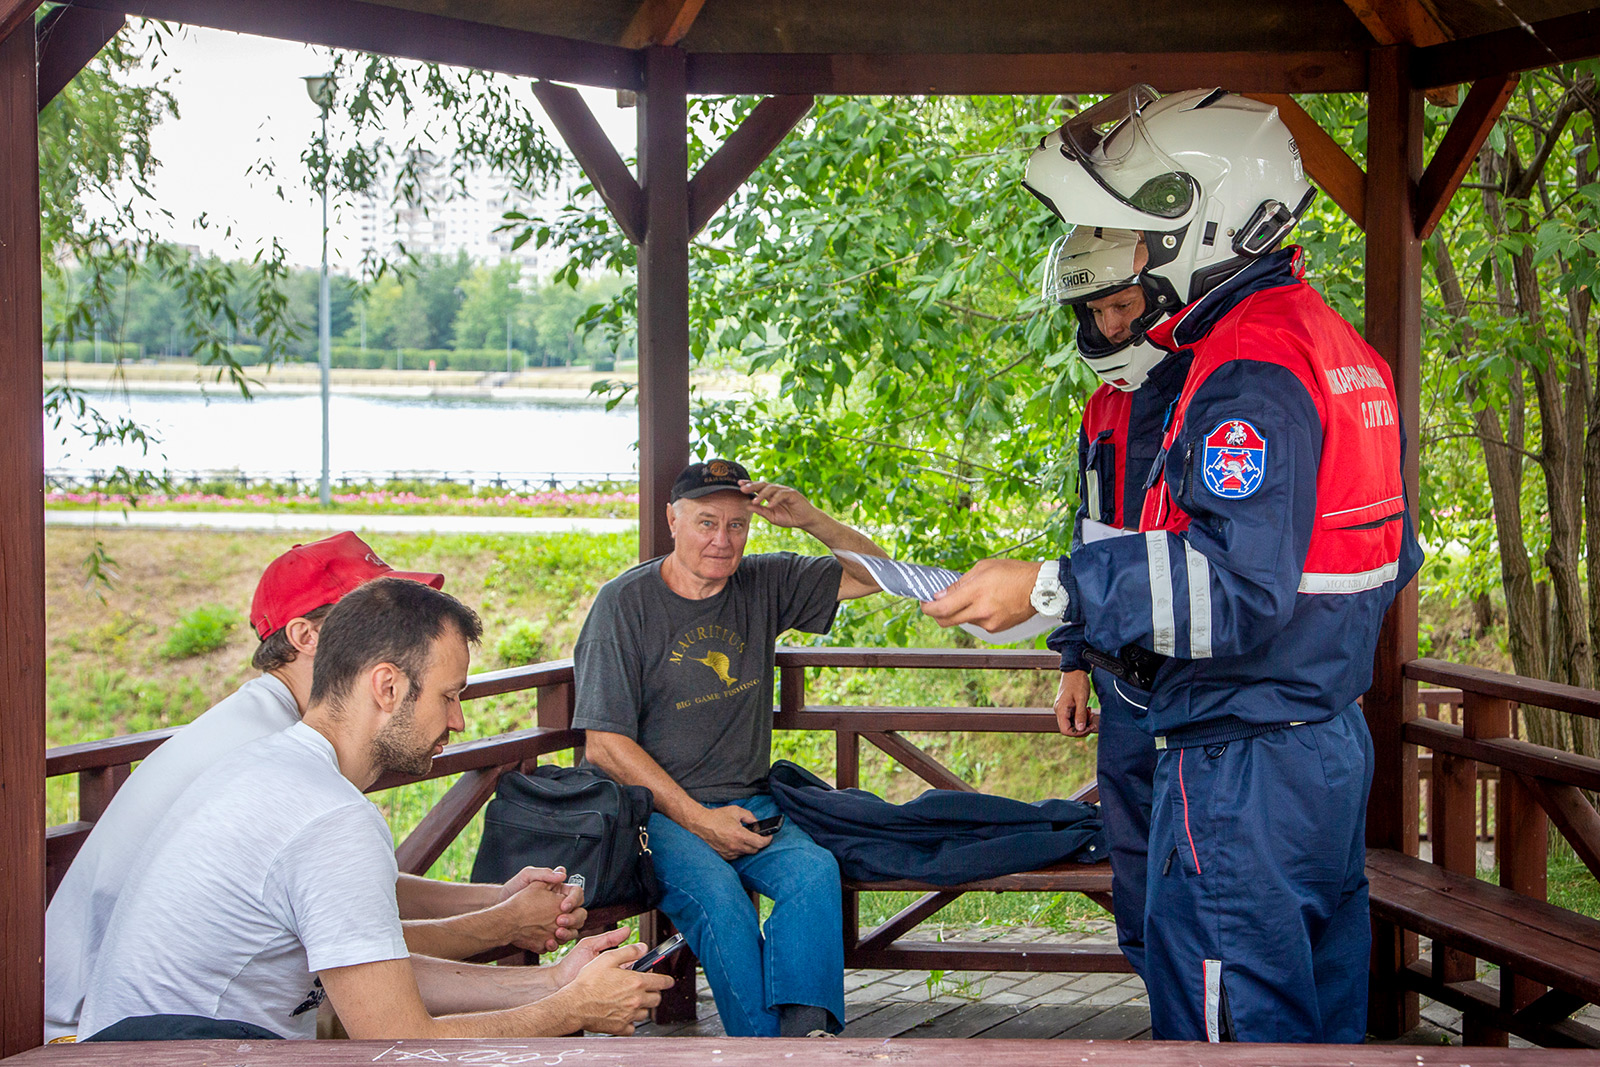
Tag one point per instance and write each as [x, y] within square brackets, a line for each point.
[797, 959]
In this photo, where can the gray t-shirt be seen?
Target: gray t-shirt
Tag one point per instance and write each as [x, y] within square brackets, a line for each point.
[691, 680]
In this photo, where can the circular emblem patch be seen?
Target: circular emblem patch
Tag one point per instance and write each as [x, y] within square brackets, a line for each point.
[718, 469]
[1235, 459]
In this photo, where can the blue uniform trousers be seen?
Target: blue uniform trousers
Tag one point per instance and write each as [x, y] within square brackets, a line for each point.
[1125, 766]
[797, 959]
[1256, 924]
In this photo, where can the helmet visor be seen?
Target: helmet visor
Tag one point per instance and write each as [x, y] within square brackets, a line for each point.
[1110, 141]
[1090, 262]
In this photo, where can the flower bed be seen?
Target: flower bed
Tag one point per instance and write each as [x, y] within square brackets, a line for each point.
[368, 502]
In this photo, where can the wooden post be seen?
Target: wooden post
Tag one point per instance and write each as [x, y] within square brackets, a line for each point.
[22, 892]
[1481, 717]
[1521, 844]
[1394, 328]
[663, 292]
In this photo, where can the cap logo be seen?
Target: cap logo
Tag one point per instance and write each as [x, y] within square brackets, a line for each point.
[373, 559]
[719, 469]
[1235, 459]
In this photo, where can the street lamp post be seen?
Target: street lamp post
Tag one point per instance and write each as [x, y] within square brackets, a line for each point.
[320, 88]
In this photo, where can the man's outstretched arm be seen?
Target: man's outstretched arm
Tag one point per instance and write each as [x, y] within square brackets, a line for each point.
[450, 987]
[533, 910]
[382, 1000]
[788, 507]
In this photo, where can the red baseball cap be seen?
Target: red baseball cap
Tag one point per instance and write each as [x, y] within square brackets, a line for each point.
[308, 576]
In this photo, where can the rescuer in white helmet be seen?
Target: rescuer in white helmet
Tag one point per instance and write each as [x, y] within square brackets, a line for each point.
[1097, 272]
[1244, 613]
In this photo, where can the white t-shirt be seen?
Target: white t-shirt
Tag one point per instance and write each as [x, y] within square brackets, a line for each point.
[270, 868]
[79, 912]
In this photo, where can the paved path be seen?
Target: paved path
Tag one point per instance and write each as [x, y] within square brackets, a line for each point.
[240, 521]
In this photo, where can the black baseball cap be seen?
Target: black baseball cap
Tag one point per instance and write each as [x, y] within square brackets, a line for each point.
[712, 476]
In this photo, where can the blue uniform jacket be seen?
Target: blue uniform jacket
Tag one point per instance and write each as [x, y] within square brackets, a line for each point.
[942, 837]
[1220, 582]
[1119, 438]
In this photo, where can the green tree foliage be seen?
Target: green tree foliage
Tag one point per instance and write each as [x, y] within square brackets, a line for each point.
[1515, 369]
[490, 308]
[883, 265]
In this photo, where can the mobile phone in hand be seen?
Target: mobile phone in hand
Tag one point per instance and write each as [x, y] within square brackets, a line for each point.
[657, 954]
[767, 827]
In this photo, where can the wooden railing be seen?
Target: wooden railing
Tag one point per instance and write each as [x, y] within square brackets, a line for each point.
[1537, 786]
[102, 766]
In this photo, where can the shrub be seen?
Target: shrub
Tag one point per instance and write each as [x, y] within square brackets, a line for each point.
[205, 629]
[522, 643]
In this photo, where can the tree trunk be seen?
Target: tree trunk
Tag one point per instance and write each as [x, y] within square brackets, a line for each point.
[1503, 462]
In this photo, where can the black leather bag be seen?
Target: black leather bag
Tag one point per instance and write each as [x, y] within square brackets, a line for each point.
[573, 818]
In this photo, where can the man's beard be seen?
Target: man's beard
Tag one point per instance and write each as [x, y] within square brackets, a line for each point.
[395, 749]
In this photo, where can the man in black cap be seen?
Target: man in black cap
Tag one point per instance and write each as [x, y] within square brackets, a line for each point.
[674, 686]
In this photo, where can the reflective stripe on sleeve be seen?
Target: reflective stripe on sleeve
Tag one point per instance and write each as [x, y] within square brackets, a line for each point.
[1162, 626]
[1199, 603]
[1213, 969]
[1349, 583]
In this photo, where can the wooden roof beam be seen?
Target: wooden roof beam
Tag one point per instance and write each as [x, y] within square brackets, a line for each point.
[744, 150]
[763, 73]
[1329, 165]
[14, 13]
[1398, 22]
[1454, 157]
[69, 38]
[402, 33]
[660, 22]
[596, 155]
[1405, 22]
[1541, 44]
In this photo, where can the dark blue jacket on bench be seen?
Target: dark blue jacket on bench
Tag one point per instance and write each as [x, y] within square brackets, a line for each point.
[943, 837]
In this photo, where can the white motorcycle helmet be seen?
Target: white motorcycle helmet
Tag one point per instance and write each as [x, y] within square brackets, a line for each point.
[1212, 180]
[1090, 263]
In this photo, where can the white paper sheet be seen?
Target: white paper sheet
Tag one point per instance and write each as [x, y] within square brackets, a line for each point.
[1099, 531]
[917, 581]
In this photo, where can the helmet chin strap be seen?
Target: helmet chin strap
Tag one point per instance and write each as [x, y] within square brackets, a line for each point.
[1122, 365]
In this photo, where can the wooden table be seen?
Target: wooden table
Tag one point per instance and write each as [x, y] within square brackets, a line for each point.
[756, 1052]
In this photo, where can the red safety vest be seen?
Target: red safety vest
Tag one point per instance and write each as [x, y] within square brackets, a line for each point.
[1105, 423]
[1353, 545]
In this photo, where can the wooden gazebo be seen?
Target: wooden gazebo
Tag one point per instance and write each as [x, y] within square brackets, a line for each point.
[789, 51]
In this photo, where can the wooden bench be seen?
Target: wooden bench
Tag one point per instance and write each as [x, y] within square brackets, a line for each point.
[1538, 940]
[883, 948]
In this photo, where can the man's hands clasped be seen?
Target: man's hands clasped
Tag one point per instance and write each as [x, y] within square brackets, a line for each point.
[540, 910]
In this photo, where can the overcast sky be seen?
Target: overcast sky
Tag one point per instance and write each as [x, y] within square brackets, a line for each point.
[242, 100]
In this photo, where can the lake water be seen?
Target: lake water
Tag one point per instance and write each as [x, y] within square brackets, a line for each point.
[282, 434]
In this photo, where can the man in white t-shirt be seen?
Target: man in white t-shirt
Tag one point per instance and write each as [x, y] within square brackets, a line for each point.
[271, 882]
[296, 591]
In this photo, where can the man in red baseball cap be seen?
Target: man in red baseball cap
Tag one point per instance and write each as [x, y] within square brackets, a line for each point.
[533, 910]
[308, 577]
